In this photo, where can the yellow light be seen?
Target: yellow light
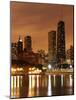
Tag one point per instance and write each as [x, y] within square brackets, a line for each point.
[13, 69]
[21, 69]
[30, 69]
[29, 72]
[18, 69]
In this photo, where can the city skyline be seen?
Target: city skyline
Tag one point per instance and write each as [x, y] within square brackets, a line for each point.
[42, 50]
[38, 20]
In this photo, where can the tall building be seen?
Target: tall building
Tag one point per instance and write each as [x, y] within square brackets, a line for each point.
[19, 45]
[52, 48]
[28, 43]
[70, 55]
[41, 54]
[61, 42]
[14, 51]
[14, 48]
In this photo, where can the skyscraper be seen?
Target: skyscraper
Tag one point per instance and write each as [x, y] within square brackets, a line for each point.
[19, 45]
[28, 43]
[70, 54]
[14, 51]
[61, 42]
[52, 48]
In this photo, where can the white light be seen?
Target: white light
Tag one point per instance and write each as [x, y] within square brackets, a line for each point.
[70, 80]
[62, 80]
[49, 66]
[70, 66]
[20, 40]
[49, 86]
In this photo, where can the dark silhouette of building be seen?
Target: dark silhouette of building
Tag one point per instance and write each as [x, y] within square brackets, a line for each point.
[14, 48]
[14, 51]
[26, 56]
[70, 54]
[61, 42]
[52, 48]
[41, 58]
[19, 45]
[27, 43]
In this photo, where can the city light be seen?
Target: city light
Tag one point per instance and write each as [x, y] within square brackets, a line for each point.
[16, 69]
[13, 69]
[49, 66]
[36, 71]
[70, 66]
[19, 69]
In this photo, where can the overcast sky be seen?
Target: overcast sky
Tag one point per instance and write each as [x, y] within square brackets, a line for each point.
[38, 20]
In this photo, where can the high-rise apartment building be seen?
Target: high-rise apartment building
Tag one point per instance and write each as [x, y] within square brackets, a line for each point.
[52, 48]
[61, 42]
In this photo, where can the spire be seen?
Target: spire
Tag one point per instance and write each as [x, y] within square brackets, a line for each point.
[20, 38]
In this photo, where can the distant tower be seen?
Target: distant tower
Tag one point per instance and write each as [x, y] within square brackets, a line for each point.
[28, 43]
[61, 42]
[52, 48]
[19, 45]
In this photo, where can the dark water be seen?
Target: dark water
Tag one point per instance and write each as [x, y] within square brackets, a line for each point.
[41, 85]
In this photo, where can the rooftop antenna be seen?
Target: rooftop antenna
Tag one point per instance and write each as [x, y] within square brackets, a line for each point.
[20, 37]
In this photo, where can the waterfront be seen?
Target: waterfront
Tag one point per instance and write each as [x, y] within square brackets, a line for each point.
[42, 50]
[41, 85]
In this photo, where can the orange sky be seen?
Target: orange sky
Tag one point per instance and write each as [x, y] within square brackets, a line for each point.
[38, 20]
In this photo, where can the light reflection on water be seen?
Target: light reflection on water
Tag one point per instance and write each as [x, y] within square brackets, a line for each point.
[49, 86]
[54, 80]
[62, 79]
[70, 79]
[41, 85]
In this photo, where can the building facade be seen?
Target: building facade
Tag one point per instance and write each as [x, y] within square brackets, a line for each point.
[19, 45]
[14, 51]
[28, 43]
[70, 55]
[61, 43]
[52, 48]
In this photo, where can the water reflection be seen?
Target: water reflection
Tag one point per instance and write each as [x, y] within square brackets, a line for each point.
[54, 76]
[41, 85]
[71, 80]
[62, 79]
[49, 85]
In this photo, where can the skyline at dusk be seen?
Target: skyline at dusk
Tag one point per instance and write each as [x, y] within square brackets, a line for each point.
[42, 50]
[37, 20]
